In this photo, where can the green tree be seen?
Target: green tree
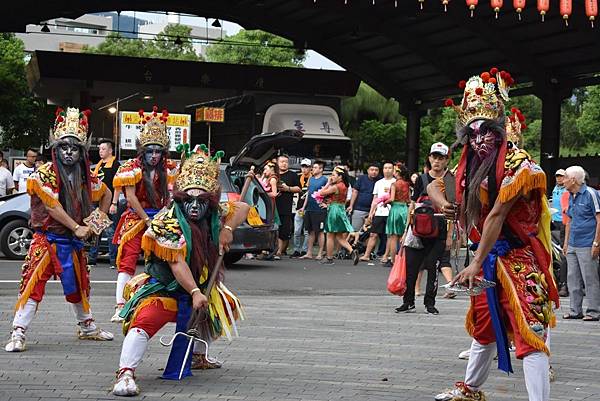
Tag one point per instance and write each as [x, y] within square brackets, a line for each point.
[589, 121]
[380, 141]
[163, 46]
[255, 47]
[24, 119]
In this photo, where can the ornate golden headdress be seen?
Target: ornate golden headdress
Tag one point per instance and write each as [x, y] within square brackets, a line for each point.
[515, 125]
[198, 169]
[483, 97]
[70, 123]
[154, 128]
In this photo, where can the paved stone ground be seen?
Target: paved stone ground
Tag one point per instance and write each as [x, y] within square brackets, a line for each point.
[326, 341]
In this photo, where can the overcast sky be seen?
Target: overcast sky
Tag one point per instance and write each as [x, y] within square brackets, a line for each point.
[313, 59]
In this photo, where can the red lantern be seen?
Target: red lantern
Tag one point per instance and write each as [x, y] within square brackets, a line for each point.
[496, 5]
[543, 6]
[591, 10]
[566, 8]
[445, 4]
[472, 4]
[519, 5]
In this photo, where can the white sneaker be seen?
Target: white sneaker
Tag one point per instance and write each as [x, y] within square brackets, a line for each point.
[89, 331]
[17, 341]
[460, 392]
[116, 318]
[125, 385]
[465, 354]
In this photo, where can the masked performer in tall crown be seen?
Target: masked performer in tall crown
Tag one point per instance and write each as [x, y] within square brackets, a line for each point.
[502, 207]
[62, 192]
[182, 246]
[145, 182]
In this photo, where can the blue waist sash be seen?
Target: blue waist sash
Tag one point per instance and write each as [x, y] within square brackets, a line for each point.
[65, 246]
[501, 248]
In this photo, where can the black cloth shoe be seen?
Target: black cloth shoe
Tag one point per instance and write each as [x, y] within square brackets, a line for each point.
[355, 257]
[405, 308]
[432, 310]
[296, 254]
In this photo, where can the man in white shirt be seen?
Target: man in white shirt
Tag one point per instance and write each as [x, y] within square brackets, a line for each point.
[6, 179]
[379, 211]
[23, 170]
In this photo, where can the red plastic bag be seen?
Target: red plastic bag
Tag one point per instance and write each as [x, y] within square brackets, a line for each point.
[396, 283]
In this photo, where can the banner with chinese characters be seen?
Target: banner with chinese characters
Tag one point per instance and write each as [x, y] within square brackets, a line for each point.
[178, 127]
[210, 114]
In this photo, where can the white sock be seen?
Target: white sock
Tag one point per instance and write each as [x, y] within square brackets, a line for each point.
[25, 314]
[537, 377]
[134, 347]
[478, 367]
[83, 317]
[122, 279]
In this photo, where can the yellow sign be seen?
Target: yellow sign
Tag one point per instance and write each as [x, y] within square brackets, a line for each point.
[210, 114]
[174, 120]
[178, 128]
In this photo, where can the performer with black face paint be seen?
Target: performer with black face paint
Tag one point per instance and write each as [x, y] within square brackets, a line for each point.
[145, 182]
[183, 243]
[62, 192]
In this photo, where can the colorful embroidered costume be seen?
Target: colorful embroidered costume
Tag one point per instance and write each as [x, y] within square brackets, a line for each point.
[128, 235]
[51, 237]
[55, 250]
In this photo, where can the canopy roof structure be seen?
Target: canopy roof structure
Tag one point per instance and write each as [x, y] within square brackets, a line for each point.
[415, 55]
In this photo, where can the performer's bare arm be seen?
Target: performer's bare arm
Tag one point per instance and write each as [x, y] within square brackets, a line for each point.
[491, 230]
[115, 200]
[104, 203]
[184, 277]
[135, 203]
[239, 216]
[58, 214]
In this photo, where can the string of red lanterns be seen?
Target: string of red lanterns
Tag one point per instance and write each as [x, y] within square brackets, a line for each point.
[543, 7]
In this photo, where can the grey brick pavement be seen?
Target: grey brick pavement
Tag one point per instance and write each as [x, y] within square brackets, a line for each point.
[301, 348]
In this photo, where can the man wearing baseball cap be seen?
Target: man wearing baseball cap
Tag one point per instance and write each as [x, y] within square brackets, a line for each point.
[557, 220]
[433, 248]
[300, 234]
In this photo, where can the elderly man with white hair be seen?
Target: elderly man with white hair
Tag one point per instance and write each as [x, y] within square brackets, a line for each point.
[582, 245]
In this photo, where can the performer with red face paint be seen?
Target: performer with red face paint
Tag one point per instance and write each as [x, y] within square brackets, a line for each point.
[502, 207]
[144, 180]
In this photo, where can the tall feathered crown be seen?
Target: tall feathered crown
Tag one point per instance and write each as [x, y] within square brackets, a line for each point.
[154, 128]
[198, 169]
[483, 97]
[515, 125]
[70, 123]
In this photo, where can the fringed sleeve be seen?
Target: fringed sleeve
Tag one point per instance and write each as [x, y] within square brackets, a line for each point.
[522, 176]
[128, 174]
[98, 189]
[43, 184]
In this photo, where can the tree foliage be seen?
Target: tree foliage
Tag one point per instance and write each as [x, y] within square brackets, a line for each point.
[24, 119]
[163, 46]
[264, 50]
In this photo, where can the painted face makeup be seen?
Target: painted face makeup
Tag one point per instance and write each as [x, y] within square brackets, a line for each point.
[483, 143]
[194, 207]
[69, 152]
[153, 155]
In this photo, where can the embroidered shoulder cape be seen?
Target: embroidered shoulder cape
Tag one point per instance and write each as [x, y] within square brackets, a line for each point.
[130, 173]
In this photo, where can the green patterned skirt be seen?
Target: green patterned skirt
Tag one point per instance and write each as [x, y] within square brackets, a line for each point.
[337, 220]
[396, 222]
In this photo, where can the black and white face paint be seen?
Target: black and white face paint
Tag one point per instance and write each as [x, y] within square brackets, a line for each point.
[153, 155]
[194, 206]
[69, 151]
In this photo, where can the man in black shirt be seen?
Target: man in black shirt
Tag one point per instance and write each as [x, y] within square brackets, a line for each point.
[289, 184]
[433, 248]
[105, 170]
